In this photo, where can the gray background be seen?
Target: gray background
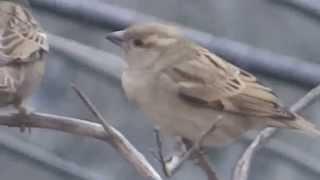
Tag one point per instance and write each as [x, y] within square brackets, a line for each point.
[259, 23]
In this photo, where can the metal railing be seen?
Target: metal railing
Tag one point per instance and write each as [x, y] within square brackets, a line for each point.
[247, 57]
[115, 18]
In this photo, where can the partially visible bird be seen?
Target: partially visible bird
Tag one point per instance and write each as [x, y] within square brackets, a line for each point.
[184, 88]
[23, 46]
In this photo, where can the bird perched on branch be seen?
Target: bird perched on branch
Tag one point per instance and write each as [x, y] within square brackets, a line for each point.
[184, 88]
[23, 46]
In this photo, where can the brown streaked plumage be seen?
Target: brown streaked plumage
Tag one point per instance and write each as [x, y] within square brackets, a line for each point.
[23, 46]
[183, 87]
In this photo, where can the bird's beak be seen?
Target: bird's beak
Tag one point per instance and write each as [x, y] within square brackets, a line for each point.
[116, 37]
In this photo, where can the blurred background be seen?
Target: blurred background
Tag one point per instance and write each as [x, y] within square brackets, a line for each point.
[267, 37]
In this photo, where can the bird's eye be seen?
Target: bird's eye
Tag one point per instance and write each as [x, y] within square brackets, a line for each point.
[138, 42]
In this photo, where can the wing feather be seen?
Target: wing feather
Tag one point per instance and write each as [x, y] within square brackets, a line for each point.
[20, 34]
[210, 80]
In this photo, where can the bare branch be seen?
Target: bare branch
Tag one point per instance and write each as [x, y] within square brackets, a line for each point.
[176, 162]
[86, 128]
[119, 142]
[242, 167]
[306, 100]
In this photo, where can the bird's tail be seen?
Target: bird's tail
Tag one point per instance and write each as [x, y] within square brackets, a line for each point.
[305, 126]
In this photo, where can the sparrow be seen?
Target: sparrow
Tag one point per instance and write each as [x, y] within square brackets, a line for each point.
[184, 88]
[23, 48]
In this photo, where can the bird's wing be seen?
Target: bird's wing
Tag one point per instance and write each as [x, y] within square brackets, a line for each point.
[211, 81]
[20, 34]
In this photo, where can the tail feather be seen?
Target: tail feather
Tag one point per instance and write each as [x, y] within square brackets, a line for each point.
[307, 127]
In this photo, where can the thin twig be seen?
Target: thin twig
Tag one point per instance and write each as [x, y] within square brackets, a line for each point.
[92, 108]
[176, 162]
[120, 143]
[160, 154]
[306, 99]
[242, 167]
[205, 166]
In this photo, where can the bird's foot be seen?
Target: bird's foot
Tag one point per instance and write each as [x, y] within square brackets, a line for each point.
[24, 117]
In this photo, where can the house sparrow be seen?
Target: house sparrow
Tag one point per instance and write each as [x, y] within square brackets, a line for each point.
[23, 46]
[184, 88]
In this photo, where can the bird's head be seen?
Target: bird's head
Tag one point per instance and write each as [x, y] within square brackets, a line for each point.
[143, 44]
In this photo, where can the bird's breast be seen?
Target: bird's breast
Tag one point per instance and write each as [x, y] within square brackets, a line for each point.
[137, 86]
[158, 98]
[32, 74]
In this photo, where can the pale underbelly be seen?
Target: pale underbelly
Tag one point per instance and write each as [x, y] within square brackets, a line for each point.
[33, 74]
[189, 122]
[25, 80]
[174, 116]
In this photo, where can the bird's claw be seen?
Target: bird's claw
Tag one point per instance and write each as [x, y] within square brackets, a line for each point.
[24, 116]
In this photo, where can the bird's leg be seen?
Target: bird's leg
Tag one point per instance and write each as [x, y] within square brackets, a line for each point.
[192, 147]
[196, 146]
[159, 155]
[199, 157]
[23, 115]
[194, 150]
[181, 148]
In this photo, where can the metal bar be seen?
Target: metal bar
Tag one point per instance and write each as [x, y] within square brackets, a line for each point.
[48, 158]
[97, 60]
[310, 7]
[94, 11]
[247, 57]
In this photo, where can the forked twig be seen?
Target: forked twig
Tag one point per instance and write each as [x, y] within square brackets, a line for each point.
[177, 162]
[120, 143]
[242, 168]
